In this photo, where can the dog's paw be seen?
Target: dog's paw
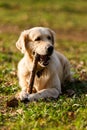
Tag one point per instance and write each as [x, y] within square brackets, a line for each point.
[23, 96]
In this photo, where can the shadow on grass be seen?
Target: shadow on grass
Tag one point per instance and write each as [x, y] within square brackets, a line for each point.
[77, 87]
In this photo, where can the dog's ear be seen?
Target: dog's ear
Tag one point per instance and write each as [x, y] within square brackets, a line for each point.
[53, 34]
[22, 41]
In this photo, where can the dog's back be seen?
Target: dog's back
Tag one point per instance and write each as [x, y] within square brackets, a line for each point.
[65, 65]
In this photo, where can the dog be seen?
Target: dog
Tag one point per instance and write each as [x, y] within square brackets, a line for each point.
[53, 68]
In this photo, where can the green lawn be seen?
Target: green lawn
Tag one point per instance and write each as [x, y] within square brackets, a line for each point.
[69, 20]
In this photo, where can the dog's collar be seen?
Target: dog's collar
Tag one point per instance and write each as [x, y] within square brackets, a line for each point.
[39, 73]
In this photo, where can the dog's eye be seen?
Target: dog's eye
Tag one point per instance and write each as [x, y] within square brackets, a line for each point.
[38, 39]
[49, 37]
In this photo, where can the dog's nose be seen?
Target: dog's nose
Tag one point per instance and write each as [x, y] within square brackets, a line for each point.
[49, 50]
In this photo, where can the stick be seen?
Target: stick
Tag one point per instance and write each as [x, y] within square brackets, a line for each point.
[32, 75]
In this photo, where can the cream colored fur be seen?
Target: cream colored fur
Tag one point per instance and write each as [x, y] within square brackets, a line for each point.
[53, 75]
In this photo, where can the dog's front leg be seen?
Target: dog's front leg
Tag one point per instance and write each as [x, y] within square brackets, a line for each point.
[23, 95]
[45, 93]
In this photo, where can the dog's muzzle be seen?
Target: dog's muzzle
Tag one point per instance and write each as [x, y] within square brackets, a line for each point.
[44, 59]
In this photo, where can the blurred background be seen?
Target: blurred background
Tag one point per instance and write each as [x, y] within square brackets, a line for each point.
[67, 17]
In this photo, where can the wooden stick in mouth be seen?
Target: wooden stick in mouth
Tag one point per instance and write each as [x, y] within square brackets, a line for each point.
[32, 75]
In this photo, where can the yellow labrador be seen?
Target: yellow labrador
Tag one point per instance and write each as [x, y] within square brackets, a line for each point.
[52, 70]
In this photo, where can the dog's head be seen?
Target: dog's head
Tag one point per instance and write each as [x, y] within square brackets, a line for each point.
[37, 40]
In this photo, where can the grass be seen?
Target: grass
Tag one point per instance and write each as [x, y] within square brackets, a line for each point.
[69, 20]
[64, 14]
